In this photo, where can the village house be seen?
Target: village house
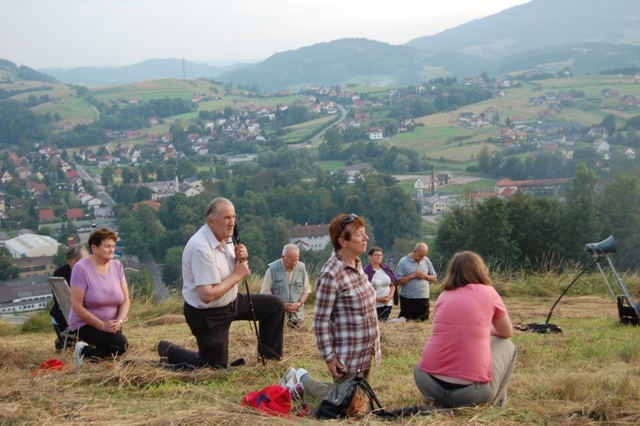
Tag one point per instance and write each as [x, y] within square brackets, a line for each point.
[422, 183]
[376, 133]
[310, 237]
[6, 177]
[598, 132]
[355, 170]
[601, 146]
[160, 190]
[45, 215]
[32, 266]
[433, 205]
[188, 190]
[629, 153]
[151, 203]
[74, 214]
[552, 187]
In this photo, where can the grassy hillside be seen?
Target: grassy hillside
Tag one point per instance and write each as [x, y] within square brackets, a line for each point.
[586, 375]
[304, 131]
[443, 137]
[156, 89]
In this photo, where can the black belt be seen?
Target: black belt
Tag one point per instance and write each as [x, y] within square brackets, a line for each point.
[448, 385]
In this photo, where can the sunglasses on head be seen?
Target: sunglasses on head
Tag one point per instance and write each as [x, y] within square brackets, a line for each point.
[347, 220]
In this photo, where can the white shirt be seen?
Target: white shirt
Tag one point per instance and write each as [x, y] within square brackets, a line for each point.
[381, 282]
[206, 261]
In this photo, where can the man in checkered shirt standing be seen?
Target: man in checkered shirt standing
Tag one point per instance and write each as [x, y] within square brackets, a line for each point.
[345, 321]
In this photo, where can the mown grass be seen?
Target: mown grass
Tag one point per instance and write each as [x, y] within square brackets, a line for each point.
[157, 89]
[304, 131]
[329, 165]
[588, 374]
[72, 109]
[477, 185]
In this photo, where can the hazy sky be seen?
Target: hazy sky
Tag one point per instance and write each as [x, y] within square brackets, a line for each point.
[71, 33]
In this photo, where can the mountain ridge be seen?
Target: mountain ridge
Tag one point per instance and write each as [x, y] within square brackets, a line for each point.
[537, 24]
[587, 36]
[150, 69]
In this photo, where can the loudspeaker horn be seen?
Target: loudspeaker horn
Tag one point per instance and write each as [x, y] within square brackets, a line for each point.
[603, 247]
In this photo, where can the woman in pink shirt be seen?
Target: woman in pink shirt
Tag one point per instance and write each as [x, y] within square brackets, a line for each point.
[469, 358]
[99, 300]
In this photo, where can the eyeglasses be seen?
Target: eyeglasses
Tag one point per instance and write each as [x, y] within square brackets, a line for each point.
[347, 220]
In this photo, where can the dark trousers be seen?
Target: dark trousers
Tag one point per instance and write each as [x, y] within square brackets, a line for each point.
[211, 330]
[383, 313]
[60, 323]
[414, 309]
[105, 345]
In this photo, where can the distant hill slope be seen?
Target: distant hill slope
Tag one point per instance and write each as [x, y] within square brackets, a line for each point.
[540, 24]
[336, 61]
[9, 71]
[588, 36]
[151, 69]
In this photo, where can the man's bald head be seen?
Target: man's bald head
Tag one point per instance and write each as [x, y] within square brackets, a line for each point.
[420, 252]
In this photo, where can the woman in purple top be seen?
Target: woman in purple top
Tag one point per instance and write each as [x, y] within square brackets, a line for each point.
[99, 300]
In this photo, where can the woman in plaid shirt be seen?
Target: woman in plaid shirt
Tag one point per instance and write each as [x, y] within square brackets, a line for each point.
[345, 320]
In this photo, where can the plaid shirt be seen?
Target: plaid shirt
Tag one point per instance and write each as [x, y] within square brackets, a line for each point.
[345, 321]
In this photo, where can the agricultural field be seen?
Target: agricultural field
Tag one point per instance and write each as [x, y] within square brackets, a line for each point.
[158, 89]
[485, 185]
[303, 131]
[329, 165]
[72, 111]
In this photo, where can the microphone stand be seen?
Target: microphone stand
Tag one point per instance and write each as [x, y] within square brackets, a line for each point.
[545, 327]
[236, 240]
[569, 286]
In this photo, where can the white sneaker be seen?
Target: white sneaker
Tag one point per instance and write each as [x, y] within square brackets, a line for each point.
[399, 319]
[78, 352]
[291, 372]
[293, 383]
[299, 373]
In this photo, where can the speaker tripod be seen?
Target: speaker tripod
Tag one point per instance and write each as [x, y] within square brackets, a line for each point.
[599, 251]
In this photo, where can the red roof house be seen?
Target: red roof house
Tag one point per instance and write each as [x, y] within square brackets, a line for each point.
[45, 214]
[74, 214]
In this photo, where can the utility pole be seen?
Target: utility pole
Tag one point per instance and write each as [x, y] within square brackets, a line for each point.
[433, 183]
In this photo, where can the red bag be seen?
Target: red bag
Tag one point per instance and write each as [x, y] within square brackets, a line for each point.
[274, 399]
[52, 364]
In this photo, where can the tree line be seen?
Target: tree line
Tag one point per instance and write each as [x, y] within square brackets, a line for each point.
[382, 157]
[551, 165]
[532, 233]
[521, 233]
[269, 202]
